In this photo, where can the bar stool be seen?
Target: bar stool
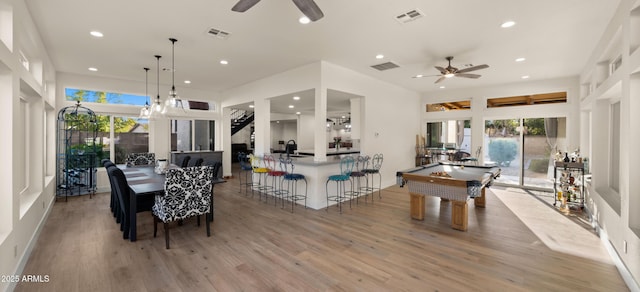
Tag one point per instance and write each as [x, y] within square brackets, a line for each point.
[346, 166]
[360, 163]
[376, 163]
[261, 171]
[291, 180]
[245, 167]
[276, 178]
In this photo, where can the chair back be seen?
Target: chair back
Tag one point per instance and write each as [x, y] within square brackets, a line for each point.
[215, 165]
[257, 164]
[478, 152]
[187, 192]
[145, 158]
[269, 162]
[346, 165]
[286, 165]
[185, 161]
[376, 161]
[195, 162]
[120, 186]
[361, 162]
[243, 159]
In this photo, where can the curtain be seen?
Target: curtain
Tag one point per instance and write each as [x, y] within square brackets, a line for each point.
[551, 130]
[459, 133]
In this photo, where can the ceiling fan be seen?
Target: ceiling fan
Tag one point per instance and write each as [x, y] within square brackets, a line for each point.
[451, 71]
[308, 7]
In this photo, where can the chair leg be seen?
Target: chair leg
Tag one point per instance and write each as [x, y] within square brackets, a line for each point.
[198, 220]
[208, 224]
[155, 226]
[166, 234]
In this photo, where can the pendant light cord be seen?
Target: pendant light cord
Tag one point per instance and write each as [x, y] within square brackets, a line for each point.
[158, 76]
[173, 66]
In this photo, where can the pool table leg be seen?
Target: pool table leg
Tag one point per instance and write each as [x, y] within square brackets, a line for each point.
[417, 206]
[459, 215]
[480, 201]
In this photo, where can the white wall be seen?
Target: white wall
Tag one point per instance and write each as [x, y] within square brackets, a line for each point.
[27, 185]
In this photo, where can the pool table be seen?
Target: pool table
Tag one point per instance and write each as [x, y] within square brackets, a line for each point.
[453, 182]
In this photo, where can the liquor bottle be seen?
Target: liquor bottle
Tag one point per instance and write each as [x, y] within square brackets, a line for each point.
[566, 157]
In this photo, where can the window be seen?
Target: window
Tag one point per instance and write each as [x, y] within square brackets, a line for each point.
[181, 135]
[104, 97]
[545, 98]
[449, 106]
[131, 135]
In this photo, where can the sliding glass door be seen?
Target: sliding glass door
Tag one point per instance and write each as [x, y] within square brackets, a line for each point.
[524, 149]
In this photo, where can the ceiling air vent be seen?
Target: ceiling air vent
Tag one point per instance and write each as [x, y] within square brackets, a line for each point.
[218, 33]
[409, 16]
[385, 66]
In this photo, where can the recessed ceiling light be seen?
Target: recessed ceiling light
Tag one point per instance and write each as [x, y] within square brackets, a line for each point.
[291, 106]
[96, 33]
[304, 20]
[297, 113]
[419, 76]
[442, 87]
[507, 24]
[343, 117]
[296, 98]
[379, 56]
[224, 62]
[187, 81]
[520, 59]
[250, 106]
[93, 69]
[525, 77]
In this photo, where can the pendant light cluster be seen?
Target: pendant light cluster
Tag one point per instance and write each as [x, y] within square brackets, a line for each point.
[156, 108]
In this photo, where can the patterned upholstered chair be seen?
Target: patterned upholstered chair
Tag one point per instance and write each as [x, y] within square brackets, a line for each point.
[145, 158]
[346, 166]
[187, 193]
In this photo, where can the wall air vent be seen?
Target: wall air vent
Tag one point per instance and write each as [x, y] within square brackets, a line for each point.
[385, 66]
[218, 33]
[409, 16]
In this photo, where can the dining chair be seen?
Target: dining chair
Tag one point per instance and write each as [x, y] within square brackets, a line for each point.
[195, 162]
[215, 169]
[145, 158]
[346, 166]
[187, 193]
[185, 161]
[376, 164]
[144, 202]
[291, 179]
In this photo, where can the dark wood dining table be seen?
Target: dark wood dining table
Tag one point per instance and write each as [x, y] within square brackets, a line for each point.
[143, 181]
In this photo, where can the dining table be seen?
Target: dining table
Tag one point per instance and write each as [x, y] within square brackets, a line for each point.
[144, 181]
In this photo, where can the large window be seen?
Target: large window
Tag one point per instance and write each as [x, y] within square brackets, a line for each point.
[121, 135]
[104, 97]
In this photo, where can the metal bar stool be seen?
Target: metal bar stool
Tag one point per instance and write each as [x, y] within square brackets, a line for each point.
[292, 179]
[262, 171]
[376, 163]
[346, 166]
[276, 178]
[245, 167]
[360, 163]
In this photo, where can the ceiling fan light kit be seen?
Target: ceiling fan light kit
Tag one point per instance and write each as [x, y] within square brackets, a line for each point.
[308, 7]
[451, 71]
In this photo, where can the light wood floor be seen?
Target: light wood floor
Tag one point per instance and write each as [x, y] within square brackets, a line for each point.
[258, 247]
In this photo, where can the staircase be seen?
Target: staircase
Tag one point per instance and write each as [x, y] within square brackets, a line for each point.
[240, 119]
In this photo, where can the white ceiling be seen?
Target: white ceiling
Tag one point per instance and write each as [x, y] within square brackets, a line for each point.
[556, 37]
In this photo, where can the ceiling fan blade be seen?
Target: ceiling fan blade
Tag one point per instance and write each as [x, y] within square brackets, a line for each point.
[244, 5]
[440, 79]
[467, 75]
[442, 70]
[309, 9]
[474, 68]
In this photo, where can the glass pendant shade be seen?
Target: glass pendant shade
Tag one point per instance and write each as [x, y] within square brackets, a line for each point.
[173, 99]
[156, 107]
[145, 112]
